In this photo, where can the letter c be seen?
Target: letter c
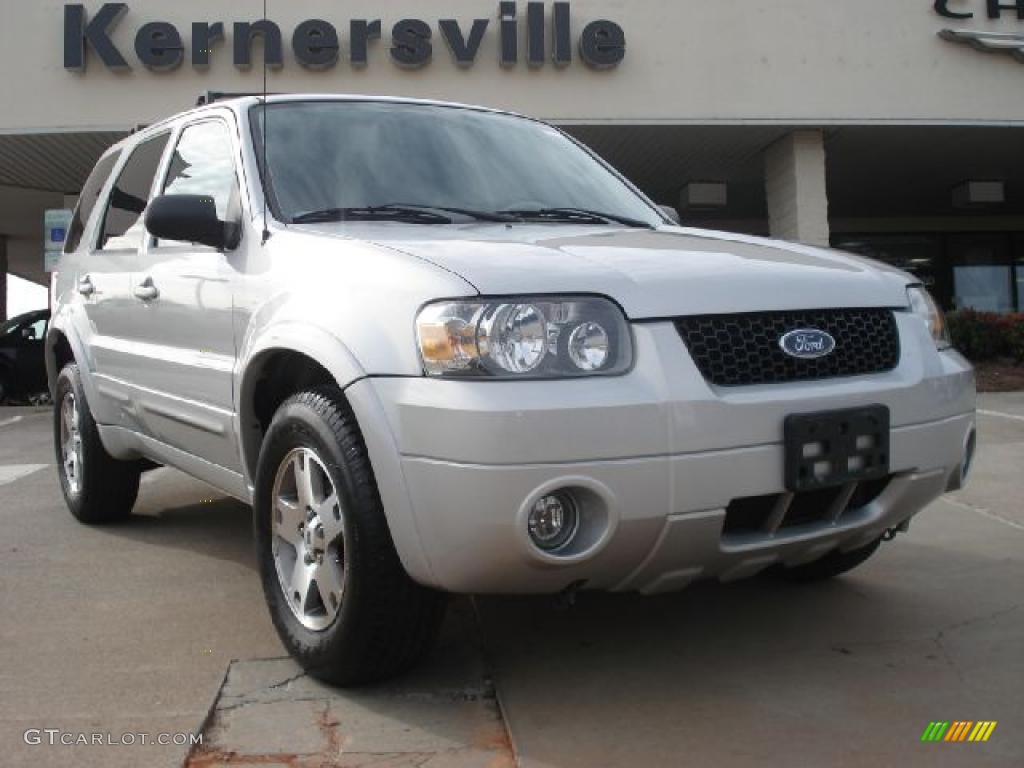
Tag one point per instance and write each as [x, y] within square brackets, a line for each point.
[942, 8]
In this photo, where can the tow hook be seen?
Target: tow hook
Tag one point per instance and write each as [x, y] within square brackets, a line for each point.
[892, 533]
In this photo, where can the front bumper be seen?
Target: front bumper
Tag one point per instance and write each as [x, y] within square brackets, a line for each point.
[658, 453]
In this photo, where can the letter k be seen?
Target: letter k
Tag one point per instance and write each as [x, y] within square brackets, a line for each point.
[96, 33]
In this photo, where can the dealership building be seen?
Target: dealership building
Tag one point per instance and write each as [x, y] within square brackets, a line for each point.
[892, 129]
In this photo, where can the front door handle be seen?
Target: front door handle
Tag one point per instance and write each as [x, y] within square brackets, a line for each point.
[85, 286]
[146, 290]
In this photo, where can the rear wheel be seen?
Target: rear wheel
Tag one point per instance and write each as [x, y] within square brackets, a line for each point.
[831, 565]
[338, 595]
[97, 487]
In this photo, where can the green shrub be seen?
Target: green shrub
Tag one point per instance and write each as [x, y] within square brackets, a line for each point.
[1016, 338]
[981, 336]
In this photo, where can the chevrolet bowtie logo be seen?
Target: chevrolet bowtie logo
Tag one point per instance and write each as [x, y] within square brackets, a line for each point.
[989, 42]
[959, 730]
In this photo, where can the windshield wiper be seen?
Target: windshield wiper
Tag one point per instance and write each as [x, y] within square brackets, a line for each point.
[577, 216]
[504, 218]
[407, 214]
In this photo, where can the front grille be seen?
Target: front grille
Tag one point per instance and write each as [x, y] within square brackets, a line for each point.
[754, 514]
[743, 349]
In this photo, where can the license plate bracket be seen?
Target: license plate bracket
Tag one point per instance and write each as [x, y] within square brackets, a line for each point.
[833, 448]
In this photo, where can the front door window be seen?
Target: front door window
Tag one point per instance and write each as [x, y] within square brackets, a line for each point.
[203, 164]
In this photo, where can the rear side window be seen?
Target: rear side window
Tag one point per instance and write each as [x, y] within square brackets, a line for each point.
[123, 226]
[87, 200]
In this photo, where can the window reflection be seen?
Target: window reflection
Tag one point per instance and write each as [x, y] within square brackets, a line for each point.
[982, 271]
[325, 155]
[917, 254]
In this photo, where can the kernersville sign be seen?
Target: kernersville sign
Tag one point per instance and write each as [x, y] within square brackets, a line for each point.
[317, 44]
[969, 9]
[984, 40]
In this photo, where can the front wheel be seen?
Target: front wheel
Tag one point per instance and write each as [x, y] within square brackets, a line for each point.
[831, 565]
[97, 487]
[338, 595]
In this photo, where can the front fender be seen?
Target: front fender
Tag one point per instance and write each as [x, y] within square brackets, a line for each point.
[331, 353]
[64, 325]
[315, 343]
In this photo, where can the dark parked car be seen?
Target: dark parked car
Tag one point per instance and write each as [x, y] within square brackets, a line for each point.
[22, 364]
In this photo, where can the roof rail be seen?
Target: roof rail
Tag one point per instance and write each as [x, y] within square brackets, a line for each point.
[211, 97]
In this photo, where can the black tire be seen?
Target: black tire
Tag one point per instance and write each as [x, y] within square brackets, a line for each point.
[385, 622]
[105, 489]
[831, 565]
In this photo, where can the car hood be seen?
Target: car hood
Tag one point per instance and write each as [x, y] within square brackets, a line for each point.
[660, 273]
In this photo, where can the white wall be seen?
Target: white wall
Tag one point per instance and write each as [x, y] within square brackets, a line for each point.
[797, 195]
[23, 296]
[688, 60]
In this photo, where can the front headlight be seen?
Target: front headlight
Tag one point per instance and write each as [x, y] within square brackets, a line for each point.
[924, 306]
[546, 337]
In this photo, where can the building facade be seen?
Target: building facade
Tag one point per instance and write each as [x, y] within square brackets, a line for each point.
[889, 128]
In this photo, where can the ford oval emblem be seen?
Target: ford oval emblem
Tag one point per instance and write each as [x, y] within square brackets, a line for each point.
[807, 343]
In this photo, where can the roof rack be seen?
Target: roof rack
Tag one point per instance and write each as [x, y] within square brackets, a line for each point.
[211, 97]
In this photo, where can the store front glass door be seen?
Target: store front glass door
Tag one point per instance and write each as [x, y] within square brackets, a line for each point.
[983, 273]
[1019, 250]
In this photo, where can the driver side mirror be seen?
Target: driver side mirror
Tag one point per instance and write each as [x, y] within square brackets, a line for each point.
[28, 333]
[192, 219]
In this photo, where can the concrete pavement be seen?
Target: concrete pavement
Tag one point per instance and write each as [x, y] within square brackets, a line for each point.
[443, 715]
[122, 629]
[134, 628]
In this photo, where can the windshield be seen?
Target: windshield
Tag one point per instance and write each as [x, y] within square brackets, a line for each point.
[363, 155]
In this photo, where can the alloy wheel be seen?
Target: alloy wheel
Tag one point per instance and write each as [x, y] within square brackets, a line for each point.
[71, 443]
[308, 539]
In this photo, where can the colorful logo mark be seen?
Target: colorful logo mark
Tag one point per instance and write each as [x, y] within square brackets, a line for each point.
[959, 730]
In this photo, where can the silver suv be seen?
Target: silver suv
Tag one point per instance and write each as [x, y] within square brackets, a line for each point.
[445, 349]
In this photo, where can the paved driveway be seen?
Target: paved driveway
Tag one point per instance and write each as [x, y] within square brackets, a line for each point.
[123, 629]
[134, 627]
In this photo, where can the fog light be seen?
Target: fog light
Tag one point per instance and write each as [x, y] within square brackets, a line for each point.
[553, 521]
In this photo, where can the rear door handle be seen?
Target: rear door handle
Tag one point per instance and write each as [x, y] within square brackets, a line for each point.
[85, 286]
[146, 290]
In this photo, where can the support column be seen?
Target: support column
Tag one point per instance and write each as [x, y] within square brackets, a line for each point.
[795, 186]
[3, 279]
